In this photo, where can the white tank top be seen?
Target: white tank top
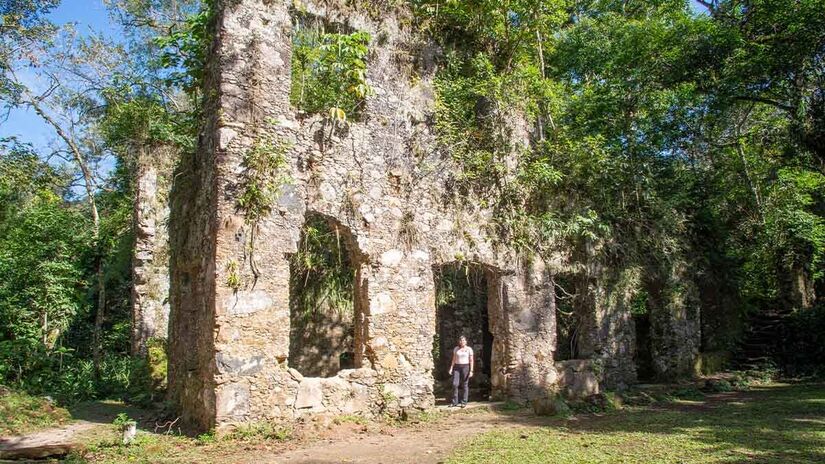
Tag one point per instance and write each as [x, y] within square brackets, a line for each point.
[462, 355]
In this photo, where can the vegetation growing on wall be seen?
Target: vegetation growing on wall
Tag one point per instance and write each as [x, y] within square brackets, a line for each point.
[322, 274]
[264, 175]
[329, 71]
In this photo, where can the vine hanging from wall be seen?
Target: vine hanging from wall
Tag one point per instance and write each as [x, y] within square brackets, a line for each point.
[265, 173]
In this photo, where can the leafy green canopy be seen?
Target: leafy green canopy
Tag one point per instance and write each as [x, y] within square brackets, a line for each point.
[21, 23]
[661, 134]
[105, 105]
[43, 245]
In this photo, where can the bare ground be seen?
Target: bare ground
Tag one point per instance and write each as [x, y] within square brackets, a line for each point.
[426, 442]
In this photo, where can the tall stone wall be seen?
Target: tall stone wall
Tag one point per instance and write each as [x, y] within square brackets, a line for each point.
[150, 263]
[385, 181]
[525, 332]
[193, 226]
[609, 332]
[675, 323]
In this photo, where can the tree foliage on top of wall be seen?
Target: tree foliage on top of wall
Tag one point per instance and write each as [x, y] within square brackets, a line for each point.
[656, 133]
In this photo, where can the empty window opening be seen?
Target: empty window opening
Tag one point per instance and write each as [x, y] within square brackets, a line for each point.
[329, 68]
[322, 299]
[462, 310]
[568, 319]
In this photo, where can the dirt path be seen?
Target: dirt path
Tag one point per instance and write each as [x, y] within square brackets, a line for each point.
[433, 443]
[428, 443]
[57, 441]
[50, 442]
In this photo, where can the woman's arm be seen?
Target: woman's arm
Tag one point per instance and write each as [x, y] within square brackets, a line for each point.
[472, 363]
[452, 363]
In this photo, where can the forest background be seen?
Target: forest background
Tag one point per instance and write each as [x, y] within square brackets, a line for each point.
[668, 131]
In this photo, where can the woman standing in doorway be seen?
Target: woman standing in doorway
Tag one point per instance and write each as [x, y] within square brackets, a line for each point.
[461, 368]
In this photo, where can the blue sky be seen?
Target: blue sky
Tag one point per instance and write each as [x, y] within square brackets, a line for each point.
[88, 15]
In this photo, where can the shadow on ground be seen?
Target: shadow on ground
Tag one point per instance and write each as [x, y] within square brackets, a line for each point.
[105, 412]
[779, 423]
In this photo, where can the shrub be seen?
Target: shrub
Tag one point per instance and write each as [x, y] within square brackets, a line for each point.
[62, 374]
[805, 350]
[329, 72]
[148, 374]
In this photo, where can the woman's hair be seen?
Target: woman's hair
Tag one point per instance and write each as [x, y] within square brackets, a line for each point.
[462, 338]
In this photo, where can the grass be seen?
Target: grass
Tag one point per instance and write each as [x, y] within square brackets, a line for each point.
[148, 447]
[261, 430]
[778, 423]
[22, 413]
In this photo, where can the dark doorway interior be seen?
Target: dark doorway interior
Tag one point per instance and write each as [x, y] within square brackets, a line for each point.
[461, 309]
[568, 319]
[643, 357]
[321, 300]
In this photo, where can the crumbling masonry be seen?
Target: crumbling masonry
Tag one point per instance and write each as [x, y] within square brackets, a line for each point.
[383, 181]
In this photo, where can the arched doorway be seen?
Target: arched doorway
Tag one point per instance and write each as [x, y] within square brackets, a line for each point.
[326, 313]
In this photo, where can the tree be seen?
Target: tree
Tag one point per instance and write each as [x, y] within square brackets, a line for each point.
[23, 24]
[44, 248]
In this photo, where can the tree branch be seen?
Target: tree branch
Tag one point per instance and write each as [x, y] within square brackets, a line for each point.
[709, 5]
[766, 101]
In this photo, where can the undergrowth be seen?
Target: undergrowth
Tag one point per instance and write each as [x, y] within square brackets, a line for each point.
[23, 413]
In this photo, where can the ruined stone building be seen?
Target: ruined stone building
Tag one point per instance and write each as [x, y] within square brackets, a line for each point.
[385, 189]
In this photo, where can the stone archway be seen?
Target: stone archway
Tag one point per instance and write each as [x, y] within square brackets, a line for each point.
[326, 299]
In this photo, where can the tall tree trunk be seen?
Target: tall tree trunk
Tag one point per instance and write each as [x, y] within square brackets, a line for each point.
[751, 184]
[543, 111]
[802, 287]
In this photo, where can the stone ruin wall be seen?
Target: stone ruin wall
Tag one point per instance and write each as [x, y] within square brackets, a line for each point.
[385, 182]
[150, 262]
[229, 348]
[675, 323]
